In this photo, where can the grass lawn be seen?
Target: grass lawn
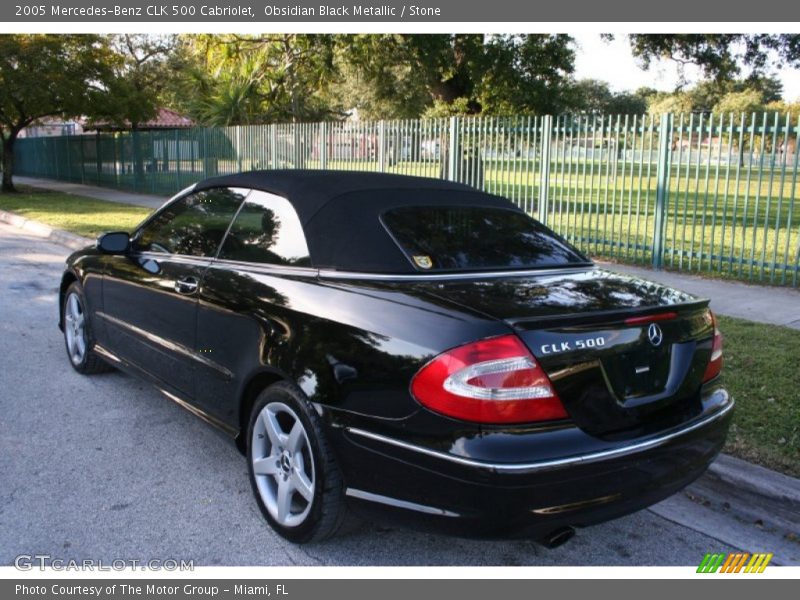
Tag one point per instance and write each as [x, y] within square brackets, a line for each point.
[84, 216]
[761, 361]
[761, 371]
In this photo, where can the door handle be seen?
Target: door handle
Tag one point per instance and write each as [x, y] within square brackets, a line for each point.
[186, 285]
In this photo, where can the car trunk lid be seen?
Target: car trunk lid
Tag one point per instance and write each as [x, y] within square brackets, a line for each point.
[624, 354]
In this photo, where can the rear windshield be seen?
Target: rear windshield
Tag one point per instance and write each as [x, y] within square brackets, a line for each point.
[458, 238]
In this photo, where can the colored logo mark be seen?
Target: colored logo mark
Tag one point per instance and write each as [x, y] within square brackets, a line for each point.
[735, 562]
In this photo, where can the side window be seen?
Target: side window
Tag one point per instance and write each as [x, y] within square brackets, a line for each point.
[193, 225]
[267, 230]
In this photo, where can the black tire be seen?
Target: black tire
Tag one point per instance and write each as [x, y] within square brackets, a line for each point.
[326, 510]
[89, 363]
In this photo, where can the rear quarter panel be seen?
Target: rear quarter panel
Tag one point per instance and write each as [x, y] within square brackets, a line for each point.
[350, 347]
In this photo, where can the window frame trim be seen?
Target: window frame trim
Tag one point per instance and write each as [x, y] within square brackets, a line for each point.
[231, 261]
[185, 193]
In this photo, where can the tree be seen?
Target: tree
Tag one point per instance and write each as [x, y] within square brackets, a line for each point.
[595, 97]
[747, 101]
[721, 56]
[141, 69]
[528, 74]
[237, 79]
[405, 75]
[46, 76]
[679, 102]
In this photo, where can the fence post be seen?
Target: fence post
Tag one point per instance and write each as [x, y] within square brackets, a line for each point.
[323, 145]
[544, 173]
[83, 160]
[453, 150]
[239, 148]
[662, 189]
[382, 146]
[178, 161]
[273, 145]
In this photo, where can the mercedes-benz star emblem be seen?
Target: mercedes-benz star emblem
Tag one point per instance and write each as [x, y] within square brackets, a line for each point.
[655, 334]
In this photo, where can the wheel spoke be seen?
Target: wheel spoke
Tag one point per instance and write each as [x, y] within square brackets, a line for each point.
[266, 466]
[72, 344]
[74, 307]
[273, 429]
[303, 485]
[284, 499]
[80, 346]
[296, 438]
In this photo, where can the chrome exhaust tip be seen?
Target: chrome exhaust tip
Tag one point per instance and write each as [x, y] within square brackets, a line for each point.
[557, 537]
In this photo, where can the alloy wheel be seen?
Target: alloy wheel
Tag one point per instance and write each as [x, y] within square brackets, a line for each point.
[75, 328]
[283, 464]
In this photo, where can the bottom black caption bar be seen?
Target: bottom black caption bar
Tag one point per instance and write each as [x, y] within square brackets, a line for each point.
[372, 589]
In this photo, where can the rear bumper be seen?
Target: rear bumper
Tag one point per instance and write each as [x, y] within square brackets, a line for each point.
[463, 493]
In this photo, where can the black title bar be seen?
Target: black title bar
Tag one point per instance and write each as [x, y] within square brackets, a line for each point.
[478, 11]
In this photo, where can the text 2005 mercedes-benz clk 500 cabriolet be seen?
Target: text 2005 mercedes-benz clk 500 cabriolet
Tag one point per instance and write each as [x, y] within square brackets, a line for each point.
[408, 345]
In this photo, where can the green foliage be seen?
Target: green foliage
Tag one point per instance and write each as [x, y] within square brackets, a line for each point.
[235, 79]
[720, 55]
[678, 102]
[441, 110]
[593, 96]
[738, 95]
[404, 76]
[43, 76]
[747, 101]
[524, 74]
[780, 106]
[141, 67]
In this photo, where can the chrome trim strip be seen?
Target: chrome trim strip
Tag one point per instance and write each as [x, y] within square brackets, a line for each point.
[184, 259]
[211, 420]
[333, 274]
[167, 344]
[265, 268]
[547, 464]
[370, 497]
[106, 353]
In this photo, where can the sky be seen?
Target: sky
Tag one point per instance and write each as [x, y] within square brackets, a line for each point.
[612, 62]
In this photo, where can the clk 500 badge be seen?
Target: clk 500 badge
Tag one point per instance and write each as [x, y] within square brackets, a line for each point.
[582, 344]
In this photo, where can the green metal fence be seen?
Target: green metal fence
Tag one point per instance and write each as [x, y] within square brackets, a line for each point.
[703, 193]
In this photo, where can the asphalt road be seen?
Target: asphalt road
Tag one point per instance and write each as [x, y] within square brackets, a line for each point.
[106, 468]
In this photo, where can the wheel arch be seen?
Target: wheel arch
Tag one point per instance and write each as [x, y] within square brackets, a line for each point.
[67, 279]
[255, 384]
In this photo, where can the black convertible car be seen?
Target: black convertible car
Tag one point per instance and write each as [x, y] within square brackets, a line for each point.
[405, 344]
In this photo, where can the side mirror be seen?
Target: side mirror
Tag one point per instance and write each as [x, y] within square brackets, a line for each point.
[115, 242]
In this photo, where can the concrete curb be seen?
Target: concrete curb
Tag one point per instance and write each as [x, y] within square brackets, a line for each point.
[758, 493]
[64, 238]
[767, 491]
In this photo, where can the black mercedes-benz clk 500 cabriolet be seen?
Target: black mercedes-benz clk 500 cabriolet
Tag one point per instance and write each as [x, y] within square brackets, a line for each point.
[405, 345]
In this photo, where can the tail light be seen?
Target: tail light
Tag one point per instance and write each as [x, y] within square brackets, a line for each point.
[491, 381]
[715, 362]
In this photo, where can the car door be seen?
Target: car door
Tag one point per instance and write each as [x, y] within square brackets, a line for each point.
[150, 294]
[244, 304]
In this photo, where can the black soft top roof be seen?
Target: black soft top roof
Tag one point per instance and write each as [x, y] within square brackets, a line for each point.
[340, 210]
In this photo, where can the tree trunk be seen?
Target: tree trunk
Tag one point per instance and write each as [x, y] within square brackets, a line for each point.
[8, 162]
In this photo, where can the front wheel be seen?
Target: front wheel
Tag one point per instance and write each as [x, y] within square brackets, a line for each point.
[295, 478]
[78, 334]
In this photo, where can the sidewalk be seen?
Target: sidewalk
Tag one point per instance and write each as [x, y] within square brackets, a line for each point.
[91, 191]
[778, 306]
[763, 304]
